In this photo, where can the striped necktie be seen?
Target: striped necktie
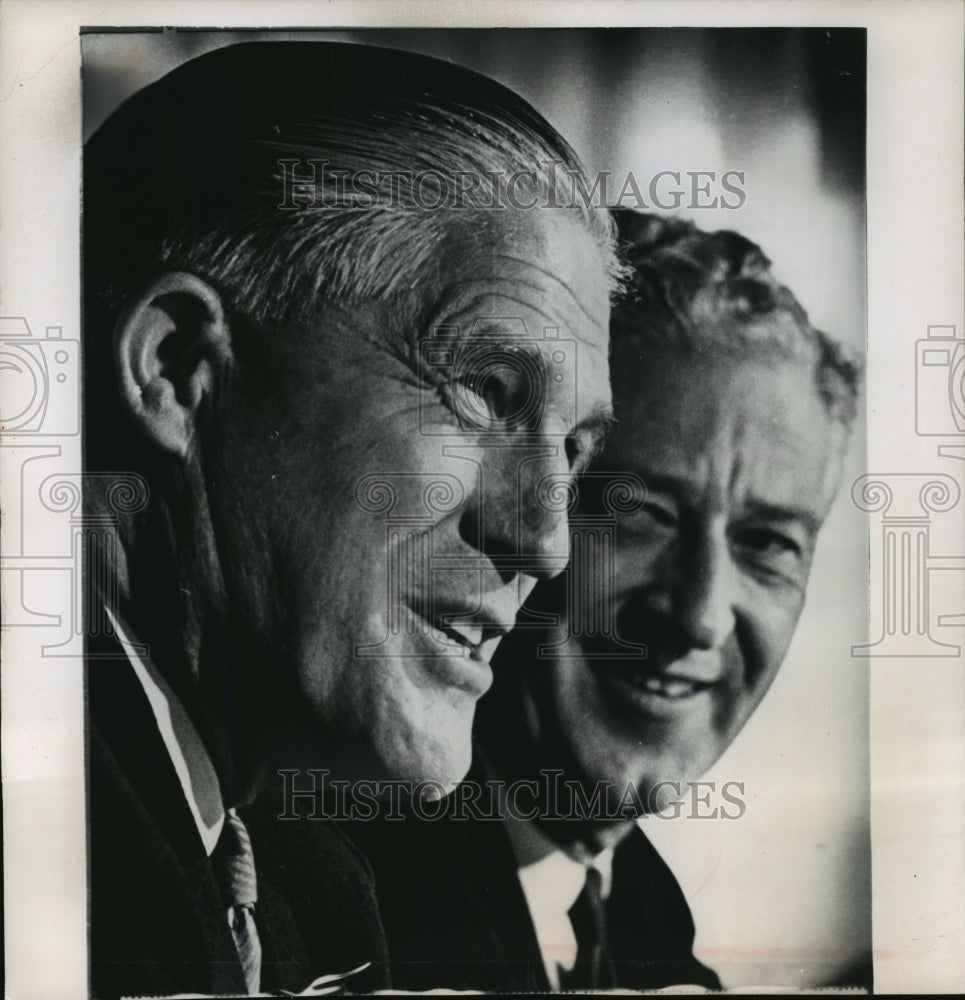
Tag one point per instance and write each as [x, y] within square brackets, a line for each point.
[235, 866]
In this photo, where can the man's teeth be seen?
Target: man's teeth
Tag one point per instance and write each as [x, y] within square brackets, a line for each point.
[668, 687]
[448, 638]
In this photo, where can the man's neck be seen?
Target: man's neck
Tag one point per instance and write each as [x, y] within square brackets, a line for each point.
[514, 749]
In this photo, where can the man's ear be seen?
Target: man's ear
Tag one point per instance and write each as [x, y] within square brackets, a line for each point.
[171, 346]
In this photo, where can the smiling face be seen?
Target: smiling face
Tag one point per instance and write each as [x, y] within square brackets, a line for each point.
[740, 459]
[382, 508]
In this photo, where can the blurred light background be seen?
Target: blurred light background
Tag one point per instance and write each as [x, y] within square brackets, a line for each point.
[781, 897]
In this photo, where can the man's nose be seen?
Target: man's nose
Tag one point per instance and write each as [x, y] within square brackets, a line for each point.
[544, 528]
[523, 511]
[704, 591]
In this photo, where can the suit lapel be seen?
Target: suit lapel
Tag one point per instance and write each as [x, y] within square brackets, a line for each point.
[650, 928]
[157, 919]
[505, 916]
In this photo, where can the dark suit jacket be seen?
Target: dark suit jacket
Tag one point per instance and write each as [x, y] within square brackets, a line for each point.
[157, 921]
[456, 916]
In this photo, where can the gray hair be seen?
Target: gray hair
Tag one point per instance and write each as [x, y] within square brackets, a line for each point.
[393, 152]
[694, 291]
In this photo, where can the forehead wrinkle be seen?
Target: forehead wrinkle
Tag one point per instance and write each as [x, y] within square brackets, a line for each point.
[553, 278]
[667, 462]
[753, 487]
[726, 472]
[555, 321]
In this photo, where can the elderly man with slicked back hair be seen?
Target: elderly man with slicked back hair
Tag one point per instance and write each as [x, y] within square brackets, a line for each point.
[342, 321]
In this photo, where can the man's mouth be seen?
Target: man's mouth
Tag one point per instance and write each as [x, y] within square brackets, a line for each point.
[465, 634]
[645, 685]
[447, 635]
[667, 687]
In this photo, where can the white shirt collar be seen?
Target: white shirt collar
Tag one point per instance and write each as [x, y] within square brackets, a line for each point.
[551, 884]
[187, 751]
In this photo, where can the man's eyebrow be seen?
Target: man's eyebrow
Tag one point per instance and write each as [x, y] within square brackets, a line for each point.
[785, 512]
[658, 482]
[654, 481]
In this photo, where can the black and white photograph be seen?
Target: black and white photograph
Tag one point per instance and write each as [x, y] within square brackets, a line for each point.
[461, 514]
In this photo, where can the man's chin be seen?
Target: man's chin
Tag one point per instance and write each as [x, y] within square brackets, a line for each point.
[433, 763]
[638, 783]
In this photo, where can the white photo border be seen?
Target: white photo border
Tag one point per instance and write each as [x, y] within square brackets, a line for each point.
[915, 295]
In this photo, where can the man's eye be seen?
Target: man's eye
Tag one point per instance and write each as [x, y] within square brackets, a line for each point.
[770, 551]
[497, 388]
[652, 515]
[660, 513]
[763, 540]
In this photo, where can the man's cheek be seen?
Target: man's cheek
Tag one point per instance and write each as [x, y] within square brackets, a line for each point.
[773, 635]
[633, 563]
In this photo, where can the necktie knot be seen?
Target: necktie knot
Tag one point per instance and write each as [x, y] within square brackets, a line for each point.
[235, 866]
[236, 862]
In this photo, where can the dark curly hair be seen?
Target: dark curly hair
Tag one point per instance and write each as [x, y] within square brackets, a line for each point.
[694, 291]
